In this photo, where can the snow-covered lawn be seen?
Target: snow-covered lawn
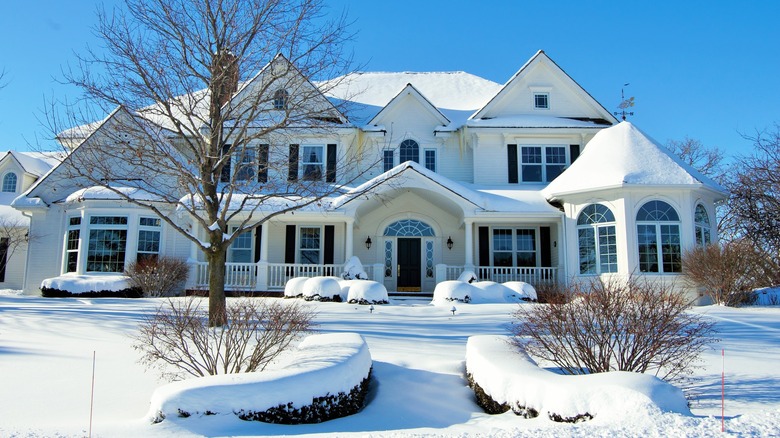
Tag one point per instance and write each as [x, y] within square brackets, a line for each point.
[418, 386]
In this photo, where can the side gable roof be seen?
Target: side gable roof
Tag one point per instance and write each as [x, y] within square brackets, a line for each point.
[410, 90]
[521, 77]
[621, 156]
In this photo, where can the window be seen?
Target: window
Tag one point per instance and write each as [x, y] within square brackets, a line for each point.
[148, 239]
[226, 165]
[240, 250]
[702, 226]
[107, 244]
[245, 164]
[72, 244]
[514, 247]
[409, 228]
[409, 151]
[281, 98]
[388, 258]
[429, 259]
[9, 182]
[387, 160]
[309, 245]
[312, 162]
[542, 163]
[542, 100]
[597, 241]
[430, 159]
[658, 233]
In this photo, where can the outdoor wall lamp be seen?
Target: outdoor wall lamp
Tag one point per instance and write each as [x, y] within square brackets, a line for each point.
[368, 242]
[450, 243]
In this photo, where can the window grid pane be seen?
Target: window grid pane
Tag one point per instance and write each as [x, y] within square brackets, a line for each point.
[670, 248]
[9, 183]
[312, 163]
[409, 228]
[502, 247]
[531, 159]
[607, 249]
[430, 160]
[648, 248]
[409, 151]
[587, 241]
[106, 250]
[310, 245]
[387, 160]
[526, 248]
[429, 259]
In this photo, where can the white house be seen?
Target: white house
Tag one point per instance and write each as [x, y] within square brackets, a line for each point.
[532, 180]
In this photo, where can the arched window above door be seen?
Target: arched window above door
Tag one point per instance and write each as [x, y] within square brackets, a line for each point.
[409, 227]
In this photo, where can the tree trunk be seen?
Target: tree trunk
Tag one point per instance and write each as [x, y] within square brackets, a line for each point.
[217, 304]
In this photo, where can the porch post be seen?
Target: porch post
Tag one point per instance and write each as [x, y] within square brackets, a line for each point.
[349, 238]
[262, 265]
[192, 279]
[469, 244]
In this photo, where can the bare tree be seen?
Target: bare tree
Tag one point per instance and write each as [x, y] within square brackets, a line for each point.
[195, 129]
[14, 234]
[731, 271]
[616, 325]
[708, 161]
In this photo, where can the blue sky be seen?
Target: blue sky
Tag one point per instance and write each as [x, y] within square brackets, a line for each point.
[707, 70]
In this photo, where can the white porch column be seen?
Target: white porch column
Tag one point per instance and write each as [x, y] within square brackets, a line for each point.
[349, 238]
[262, 265]
[469, 243]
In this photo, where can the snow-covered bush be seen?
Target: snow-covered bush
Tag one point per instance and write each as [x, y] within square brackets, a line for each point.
[616, 325]
[353, 270]
[366, 292]
[326, 377]
[524, 291]
[504, 378]
[322, 289]
[70, 285]
[158, 277]
[768, 296]
[294, 287]
[448, 291]
[468, 276]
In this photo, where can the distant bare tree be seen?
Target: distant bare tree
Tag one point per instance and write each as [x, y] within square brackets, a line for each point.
[14, 234]
[708, 161]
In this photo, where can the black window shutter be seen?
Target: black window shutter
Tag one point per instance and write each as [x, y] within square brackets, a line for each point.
[258, 242]
[511, 159]
[545, 250]
[574, 151]
[225, 175]
[330, 169]
[484, 246]
[262, 163]
[3, 257]
[289, 244]
[330, 233]
[292, 171]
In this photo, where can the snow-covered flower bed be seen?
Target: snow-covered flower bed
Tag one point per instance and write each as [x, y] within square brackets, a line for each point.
[67, 285]
[325, 378]
[504, 378]
[468, 290]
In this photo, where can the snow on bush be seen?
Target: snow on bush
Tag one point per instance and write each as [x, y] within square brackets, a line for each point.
[366, 292]
[525, 291]
[768, 296]
[322, 289]
[448, 291]
[326, 378]
[89, 286]
[468, 277]
[504, 378]
[294, 287]
[491, 292]
[353, 270]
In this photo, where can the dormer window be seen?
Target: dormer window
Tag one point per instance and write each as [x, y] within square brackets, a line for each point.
[541, 100]
[281, 98]
[9, 183]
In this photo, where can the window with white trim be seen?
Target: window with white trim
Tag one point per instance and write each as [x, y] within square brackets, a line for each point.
[240, 250]
[514, 247]
[409, 151]
[541, 100]
[72, 241]
[309, 245]
[9, 182]
[542, 163]
[658, 235]
[246, 165]
[597, 240]
[430, 159]
[388, 159]
[281, 99]
[702, 227]
[107, 244]
[312, 162]
[148, 239]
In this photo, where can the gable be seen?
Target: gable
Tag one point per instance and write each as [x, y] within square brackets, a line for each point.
[409, 107]
[541, 75]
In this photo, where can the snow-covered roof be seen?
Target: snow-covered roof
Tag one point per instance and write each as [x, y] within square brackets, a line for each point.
[533, 121]
[622, 155]
[105, 193]
[10, 215]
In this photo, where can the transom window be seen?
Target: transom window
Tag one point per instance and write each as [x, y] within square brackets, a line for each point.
[514, 247]
[107, 244]
[9, 182]
[409, 151]
[313, 162]
[309, 245]
[597, 241]
[658, 234]
[410, 228]
[542, 163]
[702, 226]
[542, 100]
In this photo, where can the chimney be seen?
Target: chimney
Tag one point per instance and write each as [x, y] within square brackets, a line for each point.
[225, 75]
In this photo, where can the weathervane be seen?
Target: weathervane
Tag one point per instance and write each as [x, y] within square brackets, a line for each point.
[625, 104]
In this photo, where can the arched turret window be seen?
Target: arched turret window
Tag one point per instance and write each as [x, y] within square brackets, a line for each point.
[597, 241]
[702, 228]
[658, 235]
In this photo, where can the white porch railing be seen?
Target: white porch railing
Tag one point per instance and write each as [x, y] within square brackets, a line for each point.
[238, 276]
[501, 274]
[279, 273]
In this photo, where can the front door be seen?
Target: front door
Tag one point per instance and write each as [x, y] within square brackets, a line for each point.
[409, 260]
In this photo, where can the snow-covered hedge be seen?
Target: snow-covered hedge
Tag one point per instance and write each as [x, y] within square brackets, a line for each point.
[365, 292]
[69, 285]
[335, 289]
[353, 270]
[504, 378]
[479, 292]
[326, 378]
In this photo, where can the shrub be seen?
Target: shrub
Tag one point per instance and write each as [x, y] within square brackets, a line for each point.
[132, 292]
[178, 341]
[616, 325]
[157, 277]
[729, 273]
